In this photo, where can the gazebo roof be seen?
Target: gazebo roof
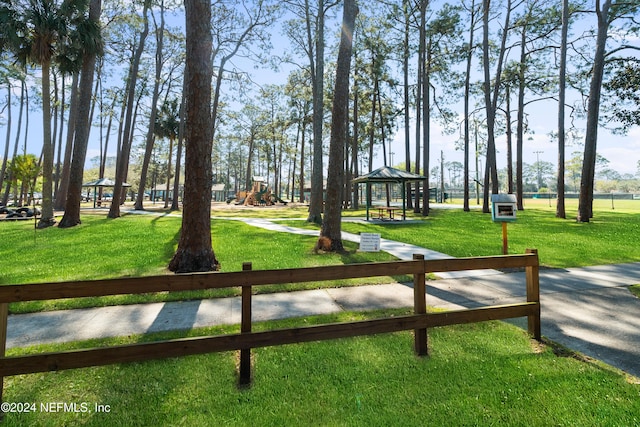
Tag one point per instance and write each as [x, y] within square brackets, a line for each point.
[389, 174]
[103, 182]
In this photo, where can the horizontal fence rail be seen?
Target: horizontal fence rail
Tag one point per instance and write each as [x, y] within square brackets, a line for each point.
[201, 281]
[246, 340]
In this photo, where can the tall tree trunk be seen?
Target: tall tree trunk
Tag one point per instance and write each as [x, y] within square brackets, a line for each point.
[61, 200]
[562, 90]
[60, 162]
[509, 135]
[74, 194]
[176, 181]
[419, 100]
[152, 117]
[47, 218]
[491, 101]
[107, 138]
[252, 140]
[406, 53]
[7, 142]
[5, 197]
[331, 232]
[347, 188]
[467, 95]
[54, 137]
[195, 252]
[372, 126]
[383, 140]
[166, 196]
[426, 127]
[293, 164]
[520, 125]
[123, 156]
[355, 197]
[317, 68]
[302, 144]
[585, 205]
[274, 150]
[372, 123]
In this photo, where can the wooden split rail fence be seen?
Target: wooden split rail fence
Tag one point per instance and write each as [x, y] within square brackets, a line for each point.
[244, 341]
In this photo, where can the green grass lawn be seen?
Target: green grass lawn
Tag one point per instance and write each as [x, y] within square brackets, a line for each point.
[610, 238]
[136, 245]
[482, 374]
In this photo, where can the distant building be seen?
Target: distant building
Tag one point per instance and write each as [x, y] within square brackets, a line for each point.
[218, 192]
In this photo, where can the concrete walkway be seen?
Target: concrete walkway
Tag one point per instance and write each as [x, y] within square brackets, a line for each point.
[586, 309]
[403, 251]
[590, 310]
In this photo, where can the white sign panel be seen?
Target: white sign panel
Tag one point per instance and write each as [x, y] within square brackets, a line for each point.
[370, 242]
[504, 207]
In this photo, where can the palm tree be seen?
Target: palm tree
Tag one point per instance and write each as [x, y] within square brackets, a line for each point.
[45, 30]
[167, 126]
[42, 29]
[24, 169]
[10, 27]
[69, 63]
[90, 45]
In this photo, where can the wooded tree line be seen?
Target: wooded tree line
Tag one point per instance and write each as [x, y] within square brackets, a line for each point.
[474, 67]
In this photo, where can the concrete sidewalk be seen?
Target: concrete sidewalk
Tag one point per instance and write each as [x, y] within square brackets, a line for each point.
[400, 250]
[102, 322]
[586, 309]
[589, 310]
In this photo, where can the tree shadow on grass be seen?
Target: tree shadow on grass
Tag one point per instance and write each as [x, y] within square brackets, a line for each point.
[169, 247]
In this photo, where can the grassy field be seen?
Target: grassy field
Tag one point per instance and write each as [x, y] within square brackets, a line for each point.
[137, 245]
[610, 238]
[483, 374]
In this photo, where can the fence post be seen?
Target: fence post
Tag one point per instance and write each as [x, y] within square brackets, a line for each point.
[4, 315]
[245, 326]
[420, 307]
[533, 295]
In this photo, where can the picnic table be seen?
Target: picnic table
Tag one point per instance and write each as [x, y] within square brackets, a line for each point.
[387, 212]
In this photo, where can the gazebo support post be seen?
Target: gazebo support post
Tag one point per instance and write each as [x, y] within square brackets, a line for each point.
[368, 199]
[404, 201]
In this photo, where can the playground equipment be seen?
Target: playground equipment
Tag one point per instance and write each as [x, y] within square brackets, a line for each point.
[259, 195]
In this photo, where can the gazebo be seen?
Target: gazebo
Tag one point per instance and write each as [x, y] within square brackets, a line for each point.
[102, 182]
[387, 174]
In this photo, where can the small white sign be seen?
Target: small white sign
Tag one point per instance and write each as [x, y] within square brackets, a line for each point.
[369, 242]
[503, 208]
